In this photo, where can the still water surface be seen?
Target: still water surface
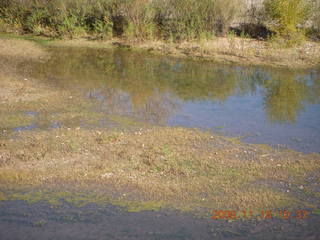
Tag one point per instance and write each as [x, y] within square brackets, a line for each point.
[262, 105]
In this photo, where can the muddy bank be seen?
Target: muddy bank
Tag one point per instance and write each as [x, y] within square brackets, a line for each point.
[235, 50]
[227, 50]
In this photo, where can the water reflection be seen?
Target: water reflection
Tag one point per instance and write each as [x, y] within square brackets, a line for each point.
[158, 89]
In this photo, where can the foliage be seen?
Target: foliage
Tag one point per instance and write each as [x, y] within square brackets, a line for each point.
[57, 18]
[191, 19]
[315, 18]
[172, 20]
[284, 18]
[140, 15]
[142, 19]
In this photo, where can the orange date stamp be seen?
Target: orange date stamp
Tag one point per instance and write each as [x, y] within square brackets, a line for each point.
[264, 214]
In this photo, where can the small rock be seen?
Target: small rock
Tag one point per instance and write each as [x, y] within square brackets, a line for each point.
[301, 187]
[107, 175]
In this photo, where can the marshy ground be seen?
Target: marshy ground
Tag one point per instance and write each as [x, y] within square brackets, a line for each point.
[130, 163]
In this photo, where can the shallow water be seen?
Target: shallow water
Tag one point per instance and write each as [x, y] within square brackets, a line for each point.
[20, 220]
[261, 105]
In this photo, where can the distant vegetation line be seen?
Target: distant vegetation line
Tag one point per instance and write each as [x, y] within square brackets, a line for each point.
[171, 20]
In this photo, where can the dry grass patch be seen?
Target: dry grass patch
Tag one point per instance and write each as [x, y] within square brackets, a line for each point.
[244, 51]
[231, 49]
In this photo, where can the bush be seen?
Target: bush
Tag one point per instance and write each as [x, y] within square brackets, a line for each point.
[58, 17]
[189, 19]
[315, 19]
[181, 19]
[139, 15]
[284, 17]
[142, 19]
[225, 12]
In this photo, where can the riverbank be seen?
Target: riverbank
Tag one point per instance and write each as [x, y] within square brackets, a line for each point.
[131, 163]
[236, 50]
[227, 50]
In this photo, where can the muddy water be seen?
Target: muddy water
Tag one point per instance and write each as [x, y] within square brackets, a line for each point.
[261, 105]
[20, 220]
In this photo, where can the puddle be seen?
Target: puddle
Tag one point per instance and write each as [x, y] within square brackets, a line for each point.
[262, 105]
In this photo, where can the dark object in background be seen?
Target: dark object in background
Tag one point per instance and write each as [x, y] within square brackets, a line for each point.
[119, 23]
[258, 31]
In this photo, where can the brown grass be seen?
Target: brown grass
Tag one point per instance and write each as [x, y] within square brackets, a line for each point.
[242, 51]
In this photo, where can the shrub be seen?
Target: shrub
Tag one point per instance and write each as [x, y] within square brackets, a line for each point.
[284, 17]
[58, 17]
[315, 19]
[225, 12]
[181, 19]
[140, 16]
[189, 19]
